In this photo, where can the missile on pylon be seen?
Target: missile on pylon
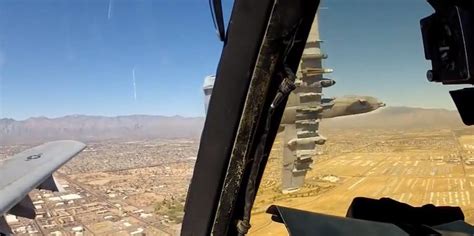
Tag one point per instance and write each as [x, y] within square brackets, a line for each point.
[314, 56]
[326, 82]
[323, 83]
[316, 71]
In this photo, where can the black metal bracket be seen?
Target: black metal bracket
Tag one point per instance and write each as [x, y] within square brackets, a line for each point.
[464, 98]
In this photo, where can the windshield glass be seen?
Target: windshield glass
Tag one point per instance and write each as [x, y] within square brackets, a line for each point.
[133, 80]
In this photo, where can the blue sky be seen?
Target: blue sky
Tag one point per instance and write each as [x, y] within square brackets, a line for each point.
[77, 57]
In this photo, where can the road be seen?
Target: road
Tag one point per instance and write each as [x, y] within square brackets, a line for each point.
[102, 198]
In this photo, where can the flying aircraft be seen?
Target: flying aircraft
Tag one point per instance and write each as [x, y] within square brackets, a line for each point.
[335, 107]
[28, 170]
[304, 109]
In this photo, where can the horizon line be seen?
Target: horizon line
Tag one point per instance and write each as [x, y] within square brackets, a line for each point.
[183, 116]
[89, 115]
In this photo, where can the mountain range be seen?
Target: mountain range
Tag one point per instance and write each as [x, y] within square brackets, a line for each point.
[134, 127]
[98, 128]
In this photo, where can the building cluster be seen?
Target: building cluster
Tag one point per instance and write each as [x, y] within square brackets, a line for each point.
[114, 189]
[138, 188]
[78, 211]
[115, 156]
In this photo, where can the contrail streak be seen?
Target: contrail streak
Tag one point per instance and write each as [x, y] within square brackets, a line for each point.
[134, 85]
[109, 12]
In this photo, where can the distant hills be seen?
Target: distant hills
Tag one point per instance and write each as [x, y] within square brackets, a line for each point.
[98, 128]
[398, 118]
[135, 127]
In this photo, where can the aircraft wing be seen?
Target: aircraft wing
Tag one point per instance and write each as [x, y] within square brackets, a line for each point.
[28, 170]
[303, 113]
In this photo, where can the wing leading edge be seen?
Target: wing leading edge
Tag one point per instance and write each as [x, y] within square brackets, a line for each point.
[303, 113]
[28, 170]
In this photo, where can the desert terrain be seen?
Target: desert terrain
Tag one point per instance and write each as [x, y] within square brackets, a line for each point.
[132, 179]
[414, 167]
